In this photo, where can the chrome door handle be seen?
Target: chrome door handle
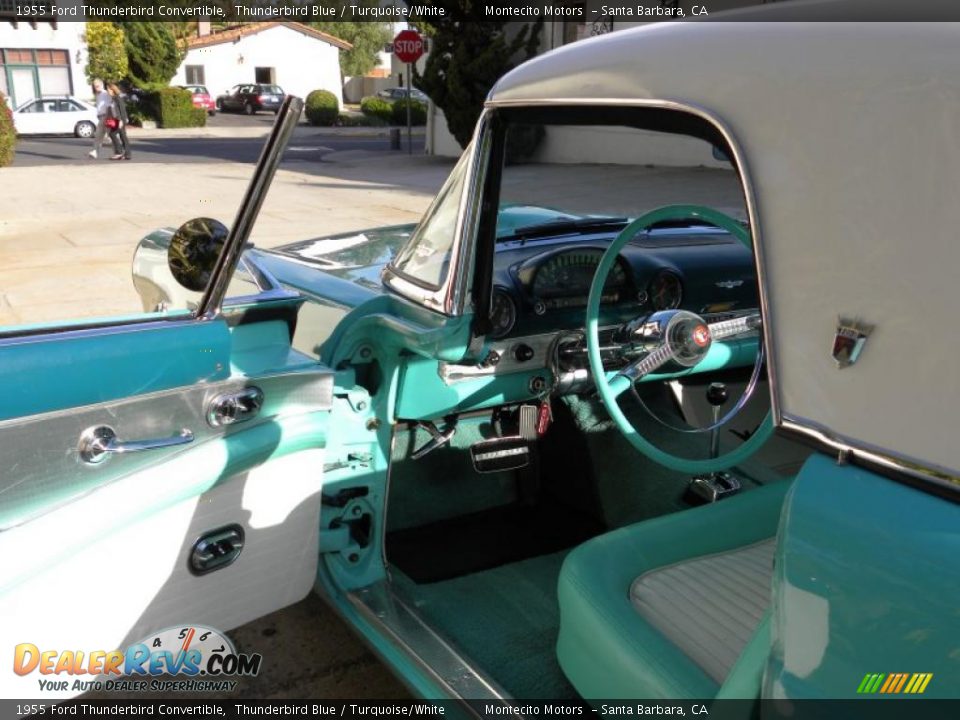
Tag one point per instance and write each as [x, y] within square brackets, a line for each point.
[97, 443]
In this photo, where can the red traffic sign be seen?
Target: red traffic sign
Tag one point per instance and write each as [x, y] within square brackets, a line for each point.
[408, 46]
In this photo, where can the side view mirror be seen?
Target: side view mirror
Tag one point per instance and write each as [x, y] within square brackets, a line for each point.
[193, 252]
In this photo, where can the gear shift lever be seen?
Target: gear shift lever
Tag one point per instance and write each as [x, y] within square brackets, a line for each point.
[717, 396]
[716, 485]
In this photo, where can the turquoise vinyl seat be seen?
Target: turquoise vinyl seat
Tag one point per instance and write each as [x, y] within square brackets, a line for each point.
[676, 607]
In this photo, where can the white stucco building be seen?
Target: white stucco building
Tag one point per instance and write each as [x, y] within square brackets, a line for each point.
[292, 55]
[41, 57]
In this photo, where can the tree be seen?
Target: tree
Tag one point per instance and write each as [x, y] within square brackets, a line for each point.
[152, 52]
[466, 59]
[367, 38]
[106, 56]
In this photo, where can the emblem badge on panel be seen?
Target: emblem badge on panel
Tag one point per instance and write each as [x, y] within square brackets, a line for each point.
[849, 341]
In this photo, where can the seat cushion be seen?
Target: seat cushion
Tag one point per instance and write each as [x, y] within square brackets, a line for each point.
[611, 648]
[710, 606]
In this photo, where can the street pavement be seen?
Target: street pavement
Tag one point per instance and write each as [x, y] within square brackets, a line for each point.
[231, 143]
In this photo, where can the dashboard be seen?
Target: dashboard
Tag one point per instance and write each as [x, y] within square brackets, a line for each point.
[541, 289]
[544, 285]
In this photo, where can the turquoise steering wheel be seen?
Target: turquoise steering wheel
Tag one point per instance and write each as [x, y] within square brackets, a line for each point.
[685, 338]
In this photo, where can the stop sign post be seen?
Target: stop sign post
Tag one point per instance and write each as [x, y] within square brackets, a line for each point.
[408, 46]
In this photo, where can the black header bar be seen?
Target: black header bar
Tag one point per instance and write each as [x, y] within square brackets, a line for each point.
[604, 15]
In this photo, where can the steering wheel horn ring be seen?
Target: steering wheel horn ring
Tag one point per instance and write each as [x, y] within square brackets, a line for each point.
[677, 336]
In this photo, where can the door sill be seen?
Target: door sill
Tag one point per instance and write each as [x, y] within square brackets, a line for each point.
[384, 606]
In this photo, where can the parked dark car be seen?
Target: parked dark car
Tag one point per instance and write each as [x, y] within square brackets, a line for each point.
[252, 98]
[398, 93]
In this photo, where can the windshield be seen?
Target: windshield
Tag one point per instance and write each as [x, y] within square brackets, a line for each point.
[570, 181]
[425, 258]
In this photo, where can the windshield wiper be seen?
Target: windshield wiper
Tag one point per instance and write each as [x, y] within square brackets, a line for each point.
[566, 227]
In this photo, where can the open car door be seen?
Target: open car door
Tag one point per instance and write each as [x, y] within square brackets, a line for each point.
[159, 471]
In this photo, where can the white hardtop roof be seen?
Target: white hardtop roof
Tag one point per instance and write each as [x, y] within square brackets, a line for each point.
[848, 135]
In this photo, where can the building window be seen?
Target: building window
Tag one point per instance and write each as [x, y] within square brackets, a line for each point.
[195, 75]
[26, 74]
[265, 75]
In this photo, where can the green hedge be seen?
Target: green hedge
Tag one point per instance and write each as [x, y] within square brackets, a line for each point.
[322, 108]
[375, 107]
[173, 108]
[8, 135]
[418, 112]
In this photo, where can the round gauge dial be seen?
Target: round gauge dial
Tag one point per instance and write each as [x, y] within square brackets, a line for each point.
[503, 314]
[666, 291]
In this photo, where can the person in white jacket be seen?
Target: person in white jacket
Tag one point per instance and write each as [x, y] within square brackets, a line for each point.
[103, 101]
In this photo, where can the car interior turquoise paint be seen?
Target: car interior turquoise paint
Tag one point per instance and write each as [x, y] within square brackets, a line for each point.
[59, 370]
[864, 582]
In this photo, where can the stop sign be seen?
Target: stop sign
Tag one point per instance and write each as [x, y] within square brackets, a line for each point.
[408, 46]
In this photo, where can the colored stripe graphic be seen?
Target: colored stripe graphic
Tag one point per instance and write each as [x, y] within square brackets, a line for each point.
[894, 683]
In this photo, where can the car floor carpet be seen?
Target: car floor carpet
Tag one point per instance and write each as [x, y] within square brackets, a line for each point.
[487, 539]
[505, 620]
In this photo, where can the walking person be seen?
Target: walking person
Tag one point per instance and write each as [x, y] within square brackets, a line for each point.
[103, 102]
[118, 135]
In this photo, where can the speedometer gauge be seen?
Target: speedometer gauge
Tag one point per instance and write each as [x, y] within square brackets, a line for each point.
[503, 314]
[666, 291]
[569, 274]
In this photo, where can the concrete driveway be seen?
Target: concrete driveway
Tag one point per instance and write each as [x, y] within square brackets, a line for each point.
[68, 232]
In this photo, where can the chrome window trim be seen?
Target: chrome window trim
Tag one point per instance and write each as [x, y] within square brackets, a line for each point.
[450, 297]
[98, 328]
[938, 480]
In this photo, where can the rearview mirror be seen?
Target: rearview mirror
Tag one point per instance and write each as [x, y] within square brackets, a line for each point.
[194, 250]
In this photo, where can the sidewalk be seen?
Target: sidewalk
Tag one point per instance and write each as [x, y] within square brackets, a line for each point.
[137, 133]
[68, 233]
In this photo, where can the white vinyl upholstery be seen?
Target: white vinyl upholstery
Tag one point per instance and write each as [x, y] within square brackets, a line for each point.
[709, 607]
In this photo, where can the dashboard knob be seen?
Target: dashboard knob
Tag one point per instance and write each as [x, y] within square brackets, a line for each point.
[523, 353]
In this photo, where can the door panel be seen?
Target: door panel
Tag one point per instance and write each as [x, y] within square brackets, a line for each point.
[865, 582]
[136, 581]
[95, 556]
[53, 472]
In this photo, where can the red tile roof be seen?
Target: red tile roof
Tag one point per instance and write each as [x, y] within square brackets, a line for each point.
[237, 33]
